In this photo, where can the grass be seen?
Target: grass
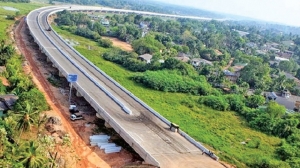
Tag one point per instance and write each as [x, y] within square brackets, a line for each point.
[24, 8]
[221, 131]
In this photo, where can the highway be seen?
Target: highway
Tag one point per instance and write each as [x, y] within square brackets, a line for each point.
[148, 135]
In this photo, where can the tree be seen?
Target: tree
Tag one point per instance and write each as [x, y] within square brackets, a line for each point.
[275, 110]
[32, 156]
[285, 66]
[34, 98]
[6, 51]
[298, 74]
[26, 118]
[254, 101]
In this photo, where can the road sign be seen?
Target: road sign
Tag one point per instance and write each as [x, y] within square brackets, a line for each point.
[72, 78]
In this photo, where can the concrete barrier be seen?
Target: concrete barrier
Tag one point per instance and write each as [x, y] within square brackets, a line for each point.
[100, 110]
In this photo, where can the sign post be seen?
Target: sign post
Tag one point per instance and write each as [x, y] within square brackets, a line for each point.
[71, 78]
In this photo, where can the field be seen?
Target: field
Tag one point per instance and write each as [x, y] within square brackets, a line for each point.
[23, 10]
[118, 43]
[223, 132]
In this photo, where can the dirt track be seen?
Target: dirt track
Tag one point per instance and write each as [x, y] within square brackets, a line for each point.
[84, 156]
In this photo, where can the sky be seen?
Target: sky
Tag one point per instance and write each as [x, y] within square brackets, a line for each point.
[281, 11]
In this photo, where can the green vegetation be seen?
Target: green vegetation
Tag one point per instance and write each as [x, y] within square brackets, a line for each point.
[23, 8]
[16, 149]
[217, 84]
[223, 131]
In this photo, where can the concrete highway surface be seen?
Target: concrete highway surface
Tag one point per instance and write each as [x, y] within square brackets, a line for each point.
[148, 135]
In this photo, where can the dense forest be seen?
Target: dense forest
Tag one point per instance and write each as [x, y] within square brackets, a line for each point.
[151, 6]
[16, 1]
[226, 46]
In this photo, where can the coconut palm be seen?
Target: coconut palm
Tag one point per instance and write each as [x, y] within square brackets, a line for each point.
[32, 156]
[26, 118]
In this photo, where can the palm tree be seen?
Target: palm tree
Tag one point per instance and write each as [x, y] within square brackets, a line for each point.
[31, 155]
[26, 118]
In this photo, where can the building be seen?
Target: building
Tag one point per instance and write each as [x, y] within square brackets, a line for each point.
[105, 22]
[281, 59]
[233, 76]
[143, 25]
[182, 57]
[7, 102]
[145, 57]
[199, 61]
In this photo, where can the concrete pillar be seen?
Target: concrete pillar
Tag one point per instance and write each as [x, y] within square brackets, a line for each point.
[78, 94]
[99, 116]
[106, 124]
[48, 59]
[60, 74]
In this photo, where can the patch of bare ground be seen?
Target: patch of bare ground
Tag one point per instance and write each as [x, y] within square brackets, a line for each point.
[79, 154]
[121, 44]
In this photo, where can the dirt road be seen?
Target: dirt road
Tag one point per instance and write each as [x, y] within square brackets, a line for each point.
[83, 156]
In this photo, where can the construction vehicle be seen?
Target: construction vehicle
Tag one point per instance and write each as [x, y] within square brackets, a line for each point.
[74, 117]
[73, 109]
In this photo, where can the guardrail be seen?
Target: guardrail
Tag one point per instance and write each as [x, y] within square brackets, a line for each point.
[113, 81]
[89, 98]
[190, 139]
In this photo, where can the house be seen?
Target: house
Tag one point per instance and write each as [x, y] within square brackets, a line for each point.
[288, 43]
[241, 33]
[285, 93]
[182, 57]
[276, 50]
[145, 57]
[6, 103]
[251, 45]
[105, 22]
[281, 59]
[271, 96]
[286, 54]
[3, 109]
[143, 25]
[289, 102]
[9, 100]
[94, 16]
[199, 61]
[233, 76]
[261, 52]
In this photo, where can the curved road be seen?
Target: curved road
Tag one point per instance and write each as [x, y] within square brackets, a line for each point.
[142, 130]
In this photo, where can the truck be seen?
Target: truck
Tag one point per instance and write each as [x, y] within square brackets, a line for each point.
[74, 117]
[73, 109]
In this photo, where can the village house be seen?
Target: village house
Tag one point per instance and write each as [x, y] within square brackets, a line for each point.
[199, 61]
[145, 57]
[7, 102]
[104, 22]
[233, 76]
[182, 57]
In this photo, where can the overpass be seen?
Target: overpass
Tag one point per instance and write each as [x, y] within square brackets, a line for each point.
[145, 130]
[91, 9]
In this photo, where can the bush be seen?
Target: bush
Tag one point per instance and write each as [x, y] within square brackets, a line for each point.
[236, 102]
[35, 98]
[215, 102]
[106, 43]
[170, 81]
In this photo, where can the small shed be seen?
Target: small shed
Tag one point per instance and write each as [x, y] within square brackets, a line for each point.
[9, 100]
[146, 57]
[285, 93]
[272, 96]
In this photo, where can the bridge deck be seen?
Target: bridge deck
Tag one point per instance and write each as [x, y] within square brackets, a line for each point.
[168, 148]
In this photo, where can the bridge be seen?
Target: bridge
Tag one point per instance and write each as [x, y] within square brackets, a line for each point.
[145, 130]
